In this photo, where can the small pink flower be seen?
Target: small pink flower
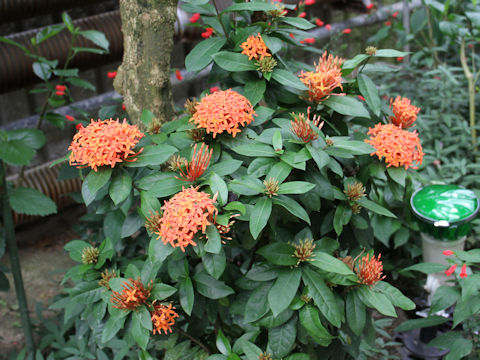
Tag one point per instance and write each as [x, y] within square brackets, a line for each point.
[319, 23]
[328, 27]
[194, 18]
[178, 74]
[447, 252]
[303, 14]
[395, 14]
[361, 97]
[451, 270]
[69, 118]
[463, 272]
[111, 74]
[347, 31]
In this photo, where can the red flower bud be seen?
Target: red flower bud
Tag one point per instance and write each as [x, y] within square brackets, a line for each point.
[361, 97]
[319, 23]
[195, 17]
[60, 87]
[328, 27]
[370, 6]
[310, 40]
[79, 126]
[303, 14]
[178, 74]
[59, 93]
[124, 107]
[387, 23]
[213, 89]
[347, 31]
[112, 74]
[69, 118]
[463, 272]
[451, 270]
[395, 14]
[399, 58]
[309, 2]
[447, 252]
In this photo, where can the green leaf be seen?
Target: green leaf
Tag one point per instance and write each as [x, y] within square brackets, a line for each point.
[281, 340]
[398, 174]
[453, 341]
[223, 168]
[144, 317]
[278, 253]
[376, 300]
[97, 37]
[146, 117]
[310, 320]
[15, 152]
[273, 43]
[347, 105]
[355, 313]
[322, 296]
[111, 328]
[329, 263]
[395, 296]
[279, 172]
[97, 179]
[298, 22]
[341, 218]
[32, 138]
[257, 304]
[42, 70]
[353, 63]
[262, 115]
[236, 206]
[252, 351]
[218, 186]
[292, 206]
[215, 264]
[260, 215]
[286, 78]
[214, 243]
[255, 150]
[369, 91]
[81, 83]
[277, 141]
[246, 185]
[113, 224]
[75, 249]
[31, 202]
[378, 209]
[210, 287]
[186, 295]
[201, 54]
[390, 53]
[443, 298]
[251, 6]
[222, 343]
[166, 187]
[295, 187]
[139, 333]
[426, 268]
[254, 90]
[420, 323]
[153, 155]
[233, 62]
[320, 157]
[284, 290]
[162, 291]
[120, 187]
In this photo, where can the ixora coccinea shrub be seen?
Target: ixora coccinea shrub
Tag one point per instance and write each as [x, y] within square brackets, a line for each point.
[244, 226]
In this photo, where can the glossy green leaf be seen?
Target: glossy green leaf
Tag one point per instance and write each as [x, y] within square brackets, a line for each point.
[166, 187]
[222, 343]
[347, 105]
[398, 174]
[255, 150]
[260, 215]
[329, 263]
[355, 313]
[298, 22]
[251, 6]
[426, 268]
[320, 157]
[378, 209]
[233, 62]
[281, 339]
[376, 300]
[286, 78]
[390, 53]
[218, 186]
[201, 54]
[97, 37]
[111, 328]
[139, 333]
[279, 172]
[210, 287]
[295, 187]
[443, 298]
[252, 351]
[292, 206]
[257, 304]
[341, 218]
[32, 138]
[278, 253]
[395, 296]
[254, 90]
[215, 264]
[31, 202]
[98, 179]
[186, 295]
[120, 187]
[214, 243]
[152, 155]
[310, 320]
[284, 290]
[420, 323]
[15, 152]
[370, 93]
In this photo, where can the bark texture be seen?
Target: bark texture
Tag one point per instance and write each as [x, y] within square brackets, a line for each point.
[143, 78]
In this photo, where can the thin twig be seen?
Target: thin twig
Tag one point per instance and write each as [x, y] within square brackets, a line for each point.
[195, 340]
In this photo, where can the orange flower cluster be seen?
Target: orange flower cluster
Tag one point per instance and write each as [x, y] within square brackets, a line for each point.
[399, 147]
[104, 143]
[326, 78]
[223, 111]
[133, 295]
[197, 166]
[184, 215]
[405, 113]
[163, 318]
[255, 47]
[369, 270]
[302, 128]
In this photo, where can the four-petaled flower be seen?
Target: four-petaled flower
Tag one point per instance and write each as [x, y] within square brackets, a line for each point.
[224, 110]
[302, 127]
[369, 270]
[104, 143]
[185, 214]
[325, 79]
[197, 166]
[255, 48]
[132, 296]
[399, 147]
[404, 112]
[163, 318]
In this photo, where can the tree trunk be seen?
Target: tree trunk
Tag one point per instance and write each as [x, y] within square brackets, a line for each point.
[144, 76]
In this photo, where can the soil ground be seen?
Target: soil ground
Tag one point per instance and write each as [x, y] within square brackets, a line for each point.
[44, 262]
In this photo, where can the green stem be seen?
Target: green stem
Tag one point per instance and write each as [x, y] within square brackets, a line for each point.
[15, 263]
[220, 20]
[436, 60]
[471, 93]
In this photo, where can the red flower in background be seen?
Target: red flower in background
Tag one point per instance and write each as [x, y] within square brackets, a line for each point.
[463, 271]
[60, 87]
[328, 27]
[451, 270]
[79, 126]
[361, 97]
[399, 58]
[447, 252]
[112, 74]
[347, 31]
[69, 118]
[370, 6]
[178, 74]
[309, 2]
[387, 23]
[395, 14]
[302, 15]
[194, 18]
[319, 23]
[214, 88]
[207, 33]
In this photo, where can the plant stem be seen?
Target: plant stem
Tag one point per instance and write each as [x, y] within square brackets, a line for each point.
[220, 19]
[195, 340]
[14, 261]
[436, 60]
[471, 93]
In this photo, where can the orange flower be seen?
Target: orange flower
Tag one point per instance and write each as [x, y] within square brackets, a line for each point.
[133, 295]
[369, 270]
[404, 112]
[104, 143]
[302, 128]
[399, 147]
[224, 110]
[326, 78]
[163, 318]
[197, 166]
[184, 215]
[255, 47]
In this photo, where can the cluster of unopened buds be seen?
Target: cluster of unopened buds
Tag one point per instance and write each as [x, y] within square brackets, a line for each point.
[451, 269]
[60, 90]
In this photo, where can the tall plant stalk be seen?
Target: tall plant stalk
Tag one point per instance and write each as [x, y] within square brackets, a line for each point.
[14, 261]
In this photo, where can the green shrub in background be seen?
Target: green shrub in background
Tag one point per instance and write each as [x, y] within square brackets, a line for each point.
[244, 228]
